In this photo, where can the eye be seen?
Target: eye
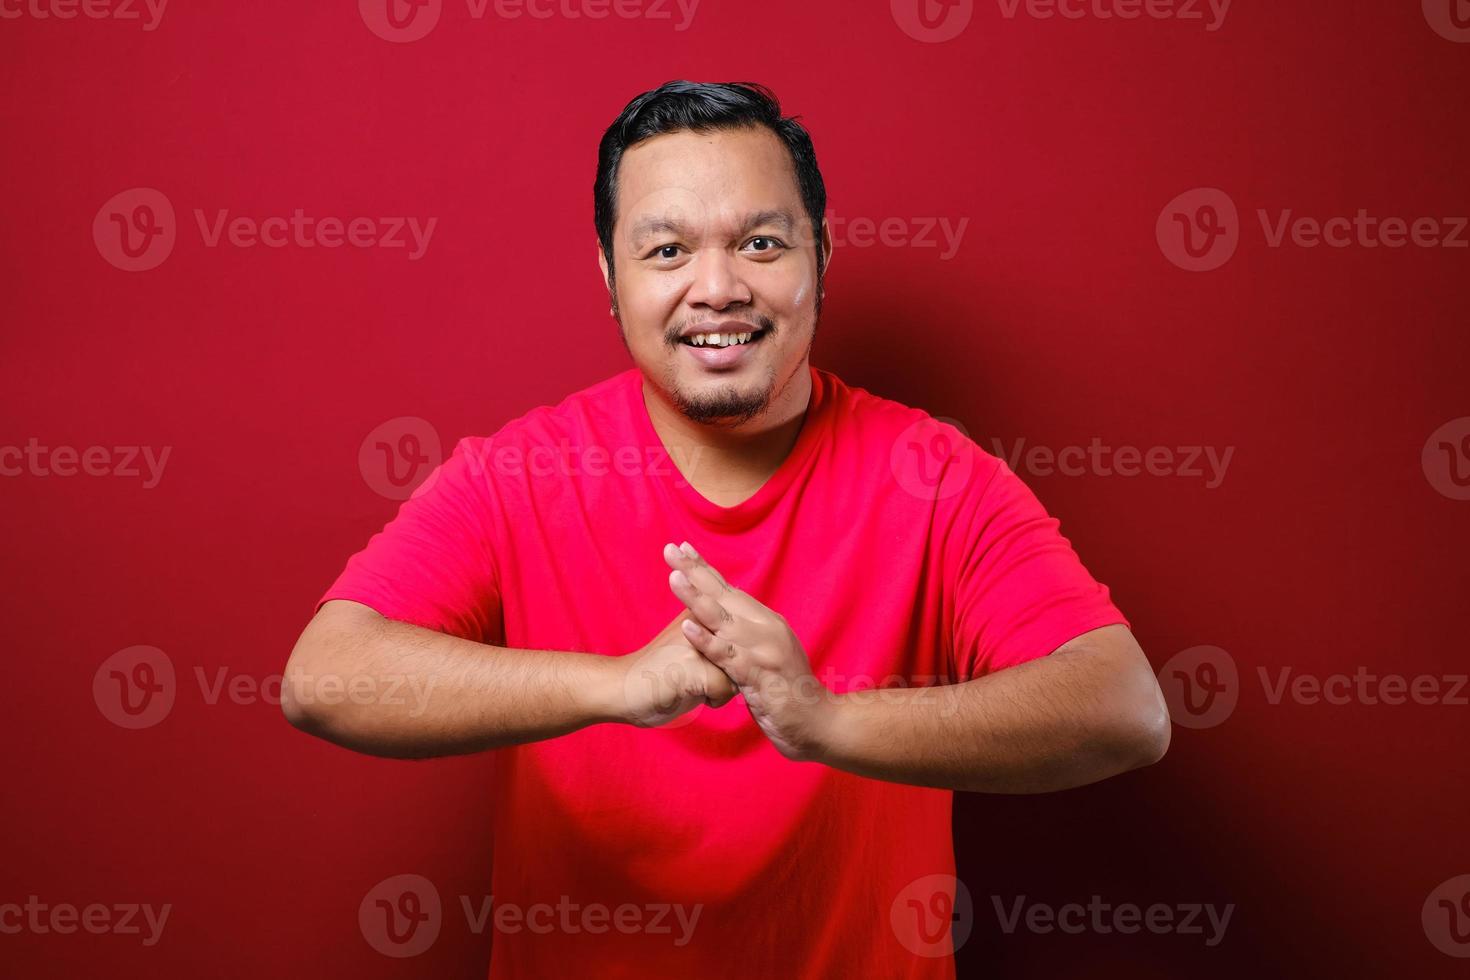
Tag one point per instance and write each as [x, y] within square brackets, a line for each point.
[667, 252]
[771, 244]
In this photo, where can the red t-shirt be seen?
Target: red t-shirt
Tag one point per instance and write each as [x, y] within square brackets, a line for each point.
[893, 545]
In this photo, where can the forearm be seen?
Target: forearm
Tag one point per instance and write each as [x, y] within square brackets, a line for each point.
[1051, 724]
[387, 688]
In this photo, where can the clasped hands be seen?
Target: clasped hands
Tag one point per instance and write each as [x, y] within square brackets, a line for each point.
[726, 643]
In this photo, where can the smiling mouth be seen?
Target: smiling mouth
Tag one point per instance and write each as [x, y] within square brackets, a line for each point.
[717, 341]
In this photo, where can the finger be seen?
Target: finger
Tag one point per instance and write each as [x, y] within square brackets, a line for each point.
[688, 549]
[718, 688]
[706, 608]
[716, 649]
[741, 605]
[704, 576]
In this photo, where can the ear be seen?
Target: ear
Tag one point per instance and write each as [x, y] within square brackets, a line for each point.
[827, 247]
[602, 264]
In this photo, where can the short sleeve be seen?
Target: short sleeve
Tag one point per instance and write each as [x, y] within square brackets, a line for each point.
[433, 564]
[1020, 591]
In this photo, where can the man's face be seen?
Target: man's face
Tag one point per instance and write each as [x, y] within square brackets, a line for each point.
[711, 237]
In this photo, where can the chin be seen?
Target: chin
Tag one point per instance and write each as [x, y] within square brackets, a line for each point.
[718, 401]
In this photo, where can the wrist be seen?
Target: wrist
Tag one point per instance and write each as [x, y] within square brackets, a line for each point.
[827, 734]
[604, 692]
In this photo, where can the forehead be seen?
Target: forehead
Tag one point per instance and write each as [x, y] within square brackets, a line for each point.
[720, 176]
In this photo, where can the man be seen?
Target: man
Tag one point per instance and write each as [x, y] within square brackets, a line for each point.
[894, 610]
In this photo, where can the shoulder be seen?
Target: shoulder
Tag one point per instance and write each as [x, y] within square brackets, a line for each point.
[929, 457]
[595, 414]
[594, 411]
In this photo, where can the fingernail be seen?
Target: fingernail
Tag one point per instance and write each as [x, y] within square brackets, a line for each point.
[688, 549]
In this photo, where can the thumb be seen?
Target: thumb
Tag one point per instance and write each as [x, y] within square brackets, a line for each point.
[718, 688]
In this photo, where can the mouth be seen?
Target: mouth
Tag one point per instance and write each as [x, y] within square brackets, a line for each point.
[722, 350]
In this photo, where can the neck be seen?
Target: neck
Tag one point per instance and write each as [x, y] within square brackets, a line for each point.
[729, 464]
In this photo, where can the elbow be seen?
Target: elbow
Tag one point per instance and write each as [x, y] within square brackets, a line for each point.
[313, 696]
[1153, 742]
[317, 710]
[1134, 727]
[312, 687]
[297, 714]
[1148, 729]
[302, 713]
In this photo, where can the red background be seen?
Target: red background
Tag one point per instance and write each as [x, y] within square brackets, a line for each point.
[1059, 320]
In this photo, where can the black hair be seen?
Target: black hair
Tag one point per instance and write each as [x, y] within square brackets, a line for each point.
[702, 107]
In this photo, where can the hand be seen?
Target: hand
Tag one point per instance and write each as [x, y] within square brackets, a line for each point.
[667, 678]
[755, 647]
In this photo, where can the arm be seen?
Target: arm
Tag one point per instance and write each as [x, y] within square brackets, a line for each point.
[387, 688]
[1089, 711]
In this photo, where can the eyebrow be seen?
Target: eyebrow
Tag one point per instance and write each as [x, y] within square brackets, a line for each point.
[780, 217]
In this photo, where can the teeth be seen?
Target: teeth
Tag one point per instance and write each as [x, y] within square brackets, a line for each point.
[720, 340]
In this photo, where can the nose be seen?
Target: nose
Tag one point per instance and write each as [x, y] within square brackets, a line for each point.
[717, 280]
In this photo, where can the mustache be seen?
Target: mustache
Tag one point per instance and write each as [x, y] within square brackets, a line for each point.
[765, 323]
